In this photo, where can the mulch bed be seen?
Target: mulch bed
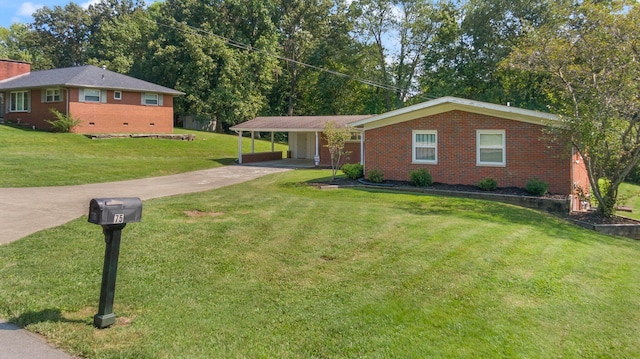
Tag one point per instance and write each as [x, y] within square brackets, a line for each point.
[590, 217]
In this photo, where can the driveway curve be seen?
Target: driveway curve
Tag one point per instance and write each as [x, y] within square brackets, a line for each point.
[24, 211]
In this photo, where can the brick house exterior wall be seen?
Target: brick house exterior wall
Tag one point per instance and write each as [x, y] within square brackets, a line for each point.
[352, 147]
[528, 154]
[127, 115]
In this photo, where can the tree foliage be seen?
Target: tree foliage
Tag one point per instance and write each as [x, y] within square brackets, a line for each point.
[593, 65]
[337, 137]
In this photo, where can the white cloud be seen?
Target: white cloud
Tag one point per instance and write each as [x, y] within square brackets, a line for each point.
[28, 8]
[85, 5]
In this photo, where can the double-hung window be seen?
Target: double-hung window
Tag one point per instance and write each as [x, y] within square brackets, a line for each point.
[151, 99]
[425, 146]
[19, 101]
[91, 95]
[52, 95]
[491, 148]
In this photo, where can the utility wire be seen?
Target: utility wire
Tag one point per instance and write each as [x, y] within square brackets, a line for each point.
[239, 45]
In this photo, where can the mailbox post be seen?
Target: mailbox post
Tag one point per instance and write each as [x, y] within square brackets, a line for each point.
[112, 214]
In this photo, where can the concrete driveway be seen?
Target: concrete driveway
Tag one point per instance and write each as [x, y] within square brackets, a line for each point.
[24, 211]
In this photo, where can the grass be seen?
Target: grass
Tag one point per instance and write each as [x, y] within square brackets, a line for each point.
[275, 268]
[36, 158]
[629, 195]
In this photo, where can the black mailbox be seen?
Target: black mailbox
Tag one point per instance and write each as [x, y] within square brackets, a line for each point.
[106, 211]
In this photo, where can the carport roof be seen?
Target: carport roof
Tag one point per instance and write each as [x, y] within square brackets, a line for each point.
[295, 123]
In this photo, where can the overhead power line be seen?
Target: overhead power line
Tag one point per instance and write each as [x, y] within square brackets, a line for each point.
[197, 31]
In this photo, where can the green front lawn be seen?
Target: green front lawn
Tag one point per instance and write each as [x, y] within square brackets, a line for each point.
[274, 268]
[35, 158]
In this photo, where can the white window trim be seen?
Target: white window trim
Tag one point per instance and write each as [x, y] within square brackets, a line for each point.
[158, 99]
[413, 146]
[26, 98]
[117, 95]
[55, 91]
[503, 147]
[101, 95]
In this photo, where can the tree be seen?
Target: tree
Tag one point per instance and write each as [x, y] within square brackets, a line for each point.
[215, 52]
[63, 34]
[336, 137]
[593, 63]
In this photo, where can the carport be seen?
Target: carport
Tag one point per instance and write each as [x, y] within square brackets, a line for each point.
[304, 133]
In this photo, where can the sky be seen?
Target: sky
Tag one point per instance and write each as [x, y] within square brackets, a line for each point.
[12, 11]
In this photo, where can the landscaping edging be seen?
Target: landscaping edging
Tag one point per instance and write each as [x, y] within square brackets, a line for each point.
[550, 205]
[624, 230]
[555, 206]
[163, 136]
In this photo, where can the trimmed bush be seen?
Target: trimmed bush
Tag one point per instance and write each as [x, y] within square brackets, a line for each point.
[537, 187]
[420, 178]
[488, 184]
[376, 176]
[353, 170]
[63, 123]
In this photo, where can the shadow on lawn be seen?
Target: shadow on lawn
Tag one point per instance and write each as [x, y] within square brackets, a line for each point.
[46, 315]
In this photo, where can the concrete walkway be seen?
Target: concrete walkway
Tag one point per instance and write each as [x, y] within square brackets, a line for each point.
[24, 211]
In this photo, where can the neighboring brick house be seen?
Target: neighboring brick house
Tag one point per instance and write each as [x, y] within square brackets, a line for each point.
[462, 142]
[105, 101]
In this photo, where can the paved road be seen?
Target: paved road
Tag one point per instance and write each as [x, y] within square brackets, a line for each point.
[24, 211]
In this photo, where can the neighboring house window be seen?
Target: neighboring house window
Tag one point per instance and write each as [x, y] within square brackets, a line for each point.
[19, 101]
[91, 95]
[52, 95]
[151, 99]
[425, 147]
[491, 148]
[117, 95]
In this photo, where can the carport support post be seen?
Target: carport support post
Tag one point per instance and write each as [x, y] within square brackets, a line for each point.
[272, 145]
[105, 316]
[316, 158]
[240, 147]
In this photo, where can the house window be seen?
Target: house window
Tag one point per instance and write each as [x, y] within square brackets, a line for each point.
[355, 137]
[91, 95]
[151, 99]
[52, 95]
[425, 147]
[19, 101]
[491, 148]
[117, 95]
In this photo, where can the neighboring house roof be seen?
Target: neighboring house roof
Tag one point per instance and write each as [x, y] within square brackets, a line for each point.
[294, 123]
[83, 76]
[446, 104]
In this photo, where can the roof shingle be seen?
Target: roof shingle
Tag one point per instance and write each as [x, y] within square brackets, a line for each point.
[83, 76]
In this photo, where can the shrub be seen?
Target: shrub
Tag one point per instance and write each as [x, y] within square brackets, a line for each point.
[420, 178]
[488, 184]
[376, 176]
[63, 123]
[537, 187]
[353, 170]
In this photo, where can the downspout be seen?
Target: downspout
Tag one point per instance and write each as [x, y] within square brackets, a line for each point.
[362, 148]
[66, 95]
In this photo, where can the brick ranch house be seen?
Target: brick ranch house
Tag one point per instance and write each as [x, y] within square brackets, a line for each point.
[458, 141]
[105, 101]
